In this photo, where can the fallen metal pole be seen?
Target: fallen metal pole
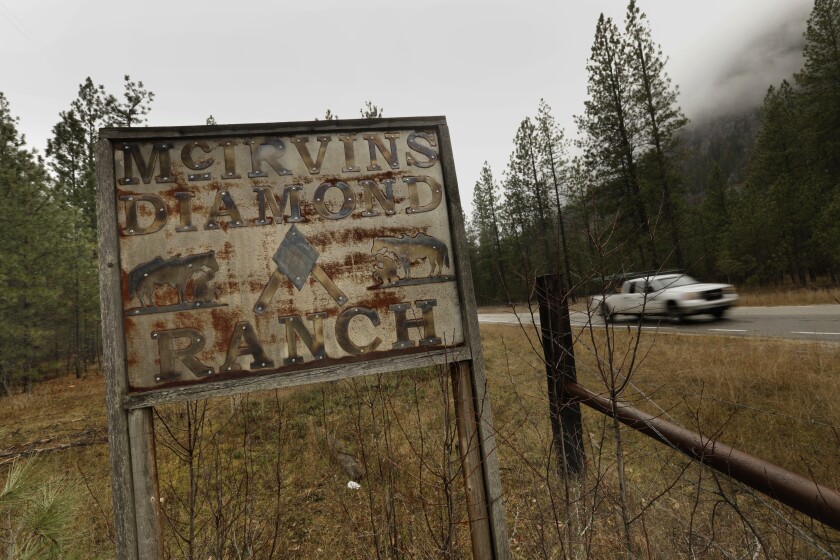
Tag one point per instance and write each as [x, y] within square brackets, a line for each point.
[812, 499]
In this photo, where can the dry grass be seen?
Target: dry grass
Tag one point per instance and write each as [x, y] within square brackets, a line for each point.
[284, 490]
[779, 400]
[764, 297]
[282, 486]
[68, 415]
[787, 392]
[56, 408]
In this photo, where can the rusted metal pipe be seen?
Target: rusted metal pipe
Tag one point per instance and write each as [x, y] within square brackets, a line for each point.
[812, 499]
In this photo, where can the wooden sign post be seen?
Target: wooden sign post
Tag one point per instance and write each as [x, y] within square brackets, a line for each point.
[253, 257]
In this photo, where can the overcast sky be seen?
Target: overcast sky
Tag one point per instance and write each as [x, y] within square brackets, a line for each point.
[483, 64]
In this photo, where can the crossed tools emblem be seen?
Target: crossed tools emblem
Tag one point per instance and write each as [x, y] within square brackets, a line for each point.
[296, 259]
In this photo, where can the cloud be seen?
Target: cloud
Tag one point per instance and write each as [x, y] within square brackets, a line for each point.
[774, 54]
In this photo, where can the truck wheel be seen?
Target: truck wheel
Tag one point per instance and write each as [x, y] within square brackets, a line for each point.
[674, 312]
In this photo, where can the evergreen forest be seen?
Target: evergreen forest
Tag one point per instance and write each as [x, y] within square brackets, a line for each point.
[752, 199]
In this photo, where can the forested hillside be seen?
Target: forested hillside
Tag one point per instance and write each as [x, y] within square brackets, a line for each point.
[725, 141]
[751, 198]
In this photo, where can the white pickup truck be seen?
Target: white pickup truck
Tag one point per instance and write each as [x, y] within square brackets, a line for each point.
[674, 295]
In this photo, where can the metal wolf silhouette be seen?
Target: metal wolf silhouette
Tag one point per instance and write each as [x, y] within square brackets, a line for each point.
[175, 272]
[411, 249]
[386, 270]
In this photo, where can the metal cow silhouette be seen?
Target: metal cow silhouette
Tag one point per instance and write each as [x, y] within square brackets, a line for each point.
[411, 249]
[175, 272]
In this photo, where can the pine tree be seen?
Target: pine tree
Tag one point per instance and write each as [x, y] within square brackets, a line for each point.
[485, 220]
[72, 149]
[38, 513]
[819, 81]
[36, 254]
[524, 171]
[552, 153]
[370, 111]
[819, 100]
[777, 175]
[713, 219]
[662, 118]
[611, 128]
[485, 210]
[133, 107]
[71, 163]
[72, 160]
[516, 225]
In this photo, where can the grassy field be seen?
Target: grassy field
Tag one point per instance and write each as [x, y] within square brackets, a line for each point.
[765, 297]
[266, 475]
[774, 399]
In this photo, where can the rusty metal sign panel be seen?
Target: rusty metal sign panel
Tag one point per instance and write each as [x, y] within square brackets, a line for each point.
[262, 252]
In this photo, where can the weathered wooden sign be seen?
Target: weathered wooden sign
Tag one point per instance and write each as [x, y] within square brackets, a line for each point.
[251, 257]
[247, 255]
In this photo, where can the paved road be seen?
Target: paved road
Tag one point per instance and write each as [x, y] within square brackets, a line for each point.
[811, 322]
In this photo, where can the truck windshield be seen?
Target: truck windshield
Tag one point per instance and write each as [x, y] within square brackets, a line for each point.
[676, 281]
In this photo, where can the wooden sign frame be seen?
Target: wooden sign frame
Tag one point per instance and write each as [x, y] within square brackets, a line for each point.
[130, 413]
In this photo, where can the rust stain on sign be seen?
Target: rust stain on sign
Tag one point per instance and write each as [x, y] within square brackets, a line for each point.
[245, 255]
